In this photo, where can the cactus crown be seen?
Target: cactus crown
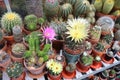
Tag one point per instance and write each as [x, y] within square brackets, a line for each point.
[15, 69]
[9, 20]
[31, 22]
[112, 71]
[88, 45]
[86, 59]
[97, 58]
[99, 46]
[18, 48]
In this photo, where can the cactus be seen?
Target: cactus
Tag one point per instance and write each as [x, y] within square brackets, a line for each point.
[3, 56]
[18, 49]
[14, 70]
[9, 20]
[51, 7]
[65, 10]
[108, 38]
[81, 7]
[117, 4]
[71, 1]
[31, 22]
[108, 6]
[97, 58]
[117, 35]
[95, 32]
[1, 35]
[98, 5]
[40, 60]
[88, 45]
[86, 59]
[70, 67]
[116, 13]
[41, 21]
[99, 46]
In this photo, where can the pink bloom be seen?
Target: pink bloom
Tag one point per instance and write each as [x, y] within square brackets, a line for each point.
[49, 33]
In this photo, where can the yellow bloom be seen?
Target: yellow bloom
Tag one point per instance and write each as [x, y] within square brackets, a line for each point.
[57, 68]
[50, 64]
[11, 16]
[78, 29]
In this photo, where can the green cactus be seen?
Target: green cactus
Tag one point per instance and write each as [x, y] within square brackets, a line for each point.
[18, 49]
[9, 20]
[65, 10]
[51, 7]
[70, 67]
[81, 7]
[116, 13]
[117, 4]
[95, 32]
[1, 35]
[41, 21]
[14, 70]
[71, 1]
[98, 5]
[31, 22]
[87, 60]
[108, 38]
[108, 6]
[40, 60]
[99, 46]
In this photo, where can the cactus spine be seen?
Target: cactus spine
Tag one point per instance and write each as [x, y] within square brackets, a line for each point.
[108, 6]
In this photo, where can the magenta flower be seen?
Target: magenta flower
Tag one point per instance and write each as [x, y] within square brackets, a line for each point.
[49, 33]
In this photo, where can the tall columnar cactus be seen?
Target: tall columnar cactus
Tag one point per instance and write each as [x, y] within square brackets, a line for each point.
[65, 10]
[51, 7]
[117, 4]
[81, 7]
[71, 1]
[98, 5]
[9, 20]
[31, 22]
[108, 6]
[14, 70]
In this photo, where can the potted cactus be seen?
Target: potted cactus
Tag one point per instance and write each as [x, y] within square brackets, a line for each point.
[4, 60]
[96, 62]
[77, 32]
[88, 47]
[60, 58]
[95, 34]
[17, 52]
[34, 57]
[108, 57]
[8, 21]
[98, 49]
[84, 62]
[30, 23]
[15, 71]
[69, 71]
[104, 75]
[106, 24]
[112, 74]
[54, 69]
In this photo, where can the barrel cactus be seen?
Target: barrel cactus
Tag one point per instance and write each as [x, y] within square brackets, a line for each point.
[81, 7]
[71, 1]
[98, 5]
[116, 13]
[14, 70]
[108, 6]
[65, 10]
[117, 4]
[51, 7]
[9, 20]
[31, 22]
[18, 49]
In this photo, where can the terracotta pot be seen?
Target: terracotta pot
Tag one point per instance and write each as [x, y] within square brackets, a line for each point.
[112, 76]
[107, 59]
[57, 45]
[106, 32]
[96, 64]
[53, 77]
[81, 67]
[21, 77]
[68, 74]
[97, 53]
[35, 70]
[9, 39]
[98, 14]
[89, 51]
[4, 44]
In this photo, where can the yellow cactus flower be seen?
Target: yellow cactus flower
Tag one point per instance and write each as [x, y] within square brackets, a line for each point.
[50, 64]
[11, 16]
[57, 68]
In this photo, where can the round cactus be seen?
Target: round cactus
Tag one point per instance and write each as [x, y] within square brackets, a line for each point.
[51, 7]
[66, 9]
[9, 20]
[71, 1]
[31, 22]
[81, 7]
[14, 69]
[98, 5]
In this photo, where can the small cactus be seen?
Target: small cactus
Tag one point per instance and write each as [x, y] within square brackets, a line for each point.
[88, 45]
[31, 22]
[71, 1]
[98, 5]
[65, 10]
[99, 46]
[116, 13]
[14, 70]
[71, 67]
[3, 56]
[97, 58]
[117, 35]
[1, 35]
[18, 49]
[117, 4]
[40, 60]
[108, 6]
[9, 20]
